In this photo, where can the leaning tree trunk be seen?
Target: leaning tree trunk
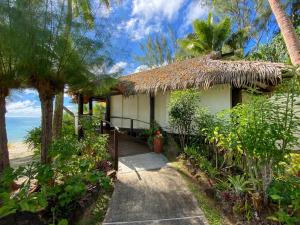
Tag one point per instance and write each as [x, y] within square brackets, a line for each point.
[4, 156]
[288, 32]
[58, 114]
[47, 114]
[59, 99]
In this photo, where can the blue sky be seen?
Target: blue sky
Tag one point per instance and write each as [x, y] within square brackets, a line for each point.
[129, 23]
[133, 20]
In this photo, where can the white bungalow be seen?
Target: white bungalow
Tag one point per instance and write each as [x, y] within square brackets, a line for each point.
[143, 97]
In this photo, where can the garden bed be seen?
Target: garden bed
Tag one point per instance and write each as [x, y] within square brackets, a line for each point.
[64, 190]
[220, 205]
[74, 213]
[243, 156]
[205, 195]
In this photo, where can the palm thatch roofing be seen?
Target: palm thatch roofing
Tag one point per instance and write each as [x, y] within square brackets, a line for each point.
[202, 73]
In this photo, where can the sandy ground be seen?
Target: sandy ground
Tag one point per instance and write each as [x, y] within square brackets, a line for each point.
[19, 154]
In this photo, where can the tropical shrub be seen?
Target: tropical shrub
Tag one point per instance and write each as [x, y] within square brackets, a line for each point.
[275, 51]
[239, 184]
[246, 151]
[33, 138]
[54, 187]
[182, 112]
[201, 162]
[286, 193]
[261, 134]
[293, 167]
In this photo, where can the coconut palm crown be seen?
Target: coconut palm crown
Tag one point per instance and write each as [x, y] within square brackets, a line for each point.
[209, 36]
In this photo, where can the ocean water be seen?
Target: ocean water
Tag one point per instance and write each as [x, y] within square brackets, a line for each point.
[17, 127]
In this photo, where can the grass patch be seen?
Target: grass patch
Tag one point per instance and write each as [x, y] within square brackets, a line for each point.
[213, 214]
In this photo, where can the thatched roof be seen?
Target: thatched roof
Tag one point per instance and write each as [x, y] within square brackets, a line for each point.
[203, 73]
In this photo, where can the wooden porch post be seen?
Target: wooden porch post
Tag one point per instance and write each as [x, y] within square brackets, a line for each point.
[80, 104]
[107, 112]
[152, 109]
[90, 106]
[236, 96]
[80, 113]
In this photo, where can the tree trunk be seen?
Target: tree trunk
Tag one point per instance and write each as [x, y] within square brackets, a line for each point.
[47, 114]
[59, 98]
[4, 155]
[288, 32]
[58, 115]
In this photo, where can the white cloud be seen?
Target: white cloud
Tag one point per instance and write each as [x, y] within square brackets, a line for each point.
[30, 91]
[104, 11]
[137, 28]
[25, 108]
[141, 68]
[147, 16]
[156, 9]
[118, 67]
[195, 10]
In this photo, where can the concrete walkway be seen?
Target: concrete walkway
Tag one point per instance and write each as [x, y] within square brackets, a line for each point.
[150, 192]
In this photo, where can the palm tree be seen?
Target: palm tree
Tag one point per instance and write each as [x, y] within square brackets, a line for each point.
[209, 37]
[43, 57]
[8, 75]
[288, 32]
[48, 59]
[81, 8]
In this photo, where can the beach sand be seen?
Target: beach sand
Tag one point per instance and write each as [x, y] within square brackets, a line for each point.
[19, 154]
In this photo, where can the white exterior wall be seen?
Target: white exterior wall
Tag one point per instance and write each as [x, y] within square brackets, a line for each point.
[129, 110]
[143, 110]
[133, 107]
[216, 99]
[116, 109]
[161, 114]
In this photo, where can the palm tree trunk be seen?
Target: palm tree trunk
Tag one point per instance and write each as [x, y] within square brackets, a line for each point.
[288, 32]
[59, 98]
[58, 115]
[47, 114]
[4, 155]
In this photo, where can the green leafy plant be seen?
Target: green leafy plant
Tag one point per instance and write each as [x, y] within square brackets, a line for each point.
[182, 111]
[260, 134]
[74, 165]
[293, 167]
[201, 162]
[275, 51]
[239, 184]
[24, 199]
[286, 192]
[207, 36]
[151, 133]
[33, 139]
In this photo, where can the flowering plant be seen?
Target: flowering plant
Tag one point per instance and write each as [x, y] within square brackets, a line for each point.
[158, 134]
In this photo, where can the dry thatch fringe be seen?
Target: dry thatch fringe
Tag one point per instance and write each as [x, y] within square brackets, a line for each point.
[202, 72]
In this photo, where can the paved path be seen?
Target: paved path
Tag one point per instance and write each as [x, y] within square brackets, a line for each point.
[149, 192]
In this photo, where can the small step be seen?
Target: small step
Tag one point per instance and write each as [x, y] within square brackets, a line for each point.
[141, 162]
